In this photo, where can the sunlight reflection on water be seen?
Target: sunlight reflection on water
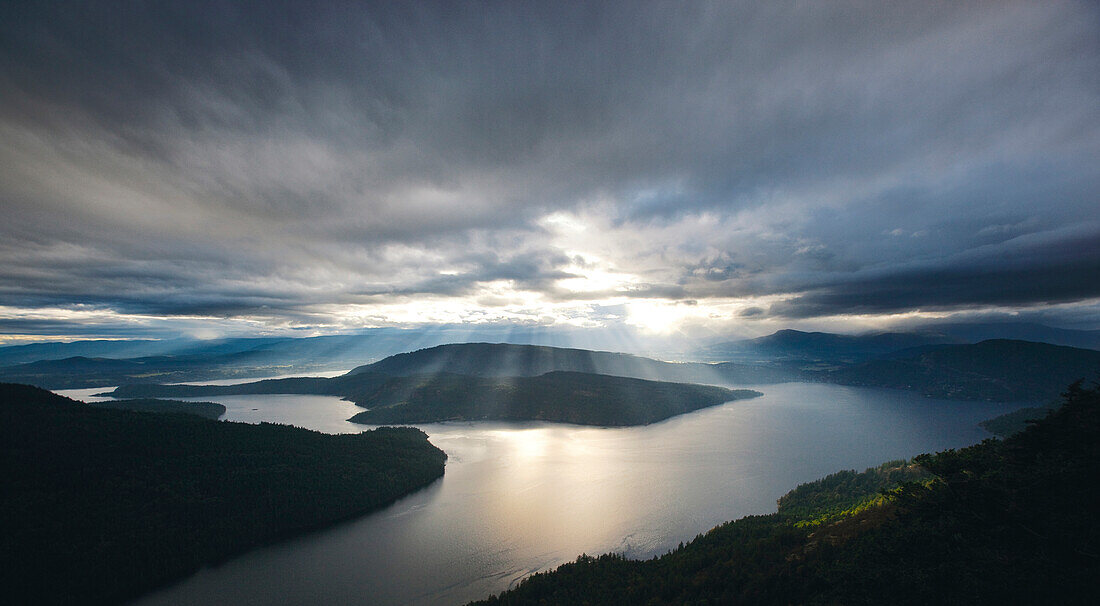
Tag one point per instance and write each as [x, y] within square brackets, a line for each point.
[522, 497]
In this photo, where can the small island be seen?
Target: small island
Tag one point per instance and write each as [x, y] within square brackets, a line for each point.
[208, 410]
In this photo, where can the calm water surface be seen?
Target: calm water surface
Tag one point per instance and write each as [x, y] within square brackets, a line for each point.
[519, 498]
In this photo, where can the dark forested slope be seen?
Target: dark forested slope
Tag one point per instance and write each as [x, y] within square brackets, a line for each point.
[821, 346]
[100, 505]
[996, 370]
[508, 360]
[1012, 522]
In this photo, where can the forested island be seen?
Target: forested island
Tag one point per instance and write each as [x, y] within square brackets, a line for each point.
[101, 505]
[209, 410]
[564, 397]
[994, 370]
[425, 397]
[1001, 522]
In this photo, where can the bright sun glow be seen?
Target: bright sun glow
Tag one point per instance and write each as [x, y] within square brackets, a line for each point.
[660, 317]
[596, 280]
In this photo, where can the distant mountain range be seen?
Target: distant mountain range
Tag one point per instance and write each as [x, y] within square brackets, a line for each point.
[795, 345]
[106, 363]
[79, 372]
[465, 380]
[333, 351]
[474, 359]
[939, 364]
[823, 347]
[345, 351]
[997, 370]
[975, 332]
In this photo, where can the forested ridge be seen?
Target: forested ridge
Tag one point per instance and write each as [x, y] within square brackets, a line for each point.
[101, 505]
[1012, 521]
[999, 370]
[565, 397]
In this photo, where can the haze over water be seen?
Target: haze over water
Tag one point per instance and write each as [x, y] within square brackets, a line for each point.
[519, 498]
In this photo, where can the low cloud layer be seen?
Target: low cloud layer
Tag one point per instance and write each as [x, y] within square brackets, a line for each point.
[359, 165]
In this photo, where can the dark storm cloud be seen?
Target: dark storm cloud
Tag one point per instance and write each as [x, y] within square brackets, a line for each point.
[1031, 273]
[43, 327]
[267, 159]
[949, 288]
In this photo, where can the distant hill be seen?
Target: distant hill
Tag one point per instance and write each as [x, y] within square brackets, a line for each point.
[821, 346]
[564, 397]
[101, 505]
[997, 370]
[974, 332]
[796, 345]
[194, 361]
[506, 359]
[509, 360]
[83, 364]
[33, 352]
[77, 364]
[82, 372]
[277, 350]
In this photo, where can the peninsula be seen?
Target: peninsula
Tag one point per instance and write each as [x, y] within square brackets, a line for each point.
[102, 505]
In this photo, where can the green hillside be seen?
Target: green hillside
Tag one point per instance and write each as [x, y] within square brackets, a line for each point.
[1002, 522]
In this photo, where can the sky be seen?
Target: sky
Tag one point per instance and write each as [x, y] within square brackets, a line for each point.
[668, 168]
